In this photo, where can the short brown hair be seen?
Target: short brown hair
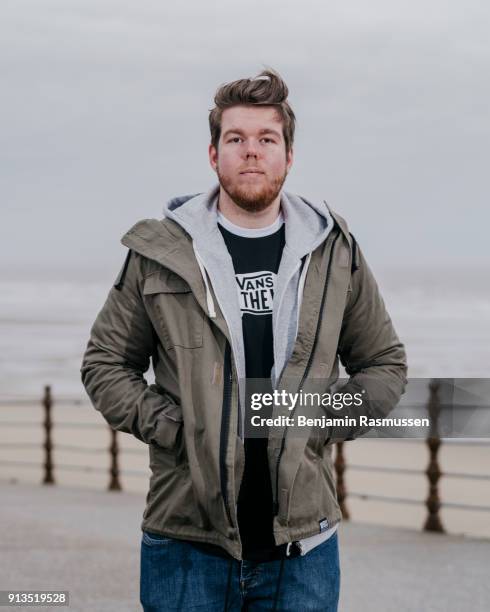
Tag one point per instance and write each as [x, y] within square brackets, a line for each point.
[266, 89]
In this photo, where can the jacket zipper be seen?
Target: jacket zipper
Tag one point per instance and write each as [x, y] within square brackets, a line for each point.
[225, 428]
[305, 374]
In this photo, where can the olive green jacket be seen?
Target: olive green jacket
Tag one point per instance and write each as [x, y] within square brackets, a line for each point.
[166, 306]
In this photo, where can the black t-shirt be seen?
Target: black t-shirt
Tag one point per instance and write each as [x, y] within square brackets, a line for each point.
[256, 262]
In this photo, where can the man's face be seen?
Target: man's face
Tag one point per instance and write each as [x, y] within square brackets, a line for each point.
[251, 160]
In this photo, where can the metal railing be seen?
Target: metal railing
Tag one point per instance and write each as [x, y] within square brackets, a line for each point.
[47, 424]
[433, 471]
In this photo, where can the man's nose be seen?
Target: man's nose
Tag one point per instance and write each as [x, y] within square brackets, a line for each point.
[251, 149]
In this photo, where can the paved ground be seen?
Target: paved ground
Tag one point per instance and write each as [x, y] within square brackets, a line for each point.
[88, 542]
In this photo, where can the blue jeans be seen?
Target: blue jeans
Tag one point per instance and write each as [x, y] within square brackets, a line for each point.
[177, 576]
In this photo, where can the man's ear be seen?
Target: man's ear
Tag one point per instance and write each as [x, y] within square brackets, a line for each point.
[213, 156]
[289, 159]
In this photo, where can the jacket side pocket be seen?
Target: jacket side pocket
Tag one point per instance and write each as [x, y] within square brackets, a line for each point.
[169, 429]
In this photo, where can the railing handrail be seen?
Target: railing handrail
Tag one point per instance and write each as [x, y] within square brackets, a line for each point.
[402, 470]
[416, 502]
[433, 472]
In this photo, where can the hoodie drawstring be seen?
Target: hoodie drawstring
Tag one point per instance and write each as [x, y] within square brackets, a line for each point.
[209, 297]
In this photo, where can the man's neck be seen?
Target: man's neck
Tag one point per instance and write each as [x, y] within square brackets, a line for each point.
[243, 218]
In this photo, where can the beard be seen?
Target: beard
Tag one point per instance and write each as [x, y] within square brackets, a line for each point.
[252, 197]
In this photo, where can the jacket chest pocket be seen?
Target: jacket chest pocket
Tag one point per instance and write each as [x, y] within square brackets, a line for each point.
[173, 305]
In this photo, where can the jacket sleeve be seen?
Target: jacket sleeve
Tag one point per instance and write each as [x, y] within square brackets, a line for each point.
[118, 353]
[369, 349]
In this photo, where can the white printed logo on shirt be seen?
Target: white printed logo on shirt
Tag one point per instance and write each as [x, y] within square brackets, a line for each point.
[256, 291]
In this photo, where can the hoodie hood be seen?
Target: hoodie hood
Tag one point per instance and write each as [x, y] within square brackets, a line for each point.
[307, 225]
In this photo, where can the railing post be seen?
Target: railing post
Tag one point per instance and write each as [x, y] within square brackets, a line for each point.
[433, 504]
[340, 482]
[114, 484]
[48, 444]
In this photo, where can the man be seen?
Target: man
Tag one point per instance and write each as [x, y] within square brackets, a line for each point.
[241, 284]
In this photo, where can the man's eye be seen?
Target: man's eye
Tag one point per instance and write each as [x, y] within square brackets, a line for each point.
[235, 139]
[267, 139]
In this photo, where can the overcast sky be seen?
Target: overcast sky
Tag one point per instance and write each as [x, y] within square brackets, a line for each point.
[104, 108]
